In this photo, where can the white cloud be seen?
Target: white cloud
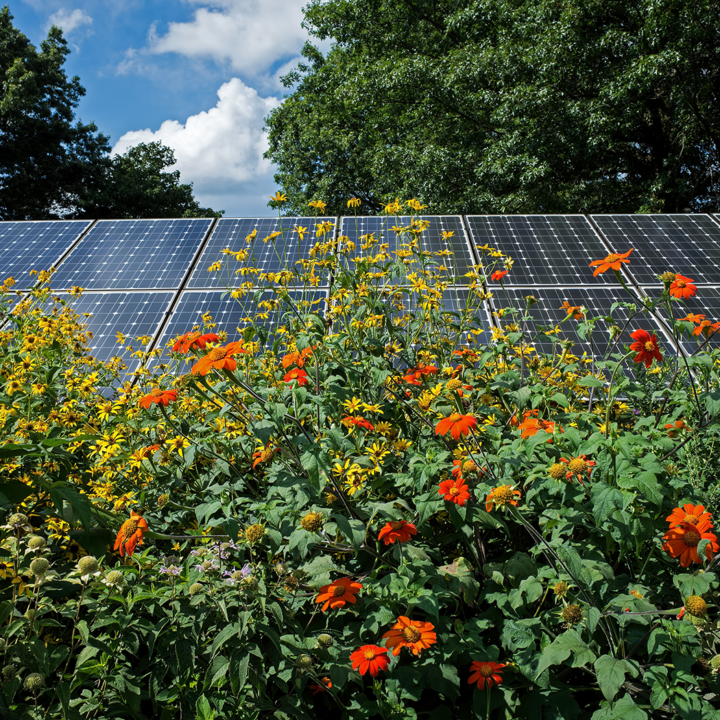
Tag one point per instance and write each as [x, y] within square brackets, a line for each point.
[249, 35]
[69, 20]
[221, 150]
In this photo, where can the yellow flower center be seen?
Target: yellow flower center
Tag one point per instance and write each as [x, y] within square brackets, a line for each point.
[691, 538]
[577, 465]
[454, 491]
[129, 528]
[485, 670]
[692, 519]
[216, 354]
[369, 654]
[396, 524]
[696, 606]
[339, 591]
[649, 345]
[503, 495]
[612, 257]
[680, 283]
[411, 634]
[556, 471]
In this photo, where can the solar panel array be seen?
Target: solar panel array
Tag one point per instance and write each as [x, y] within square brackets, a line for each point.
[150, 277]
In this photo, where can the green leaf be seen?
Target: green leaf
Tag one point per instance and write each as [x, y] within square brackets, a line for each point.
[569, 643]
[646, 483]
[354, 530]
[203, 709]
[624, 709]
[610, 673]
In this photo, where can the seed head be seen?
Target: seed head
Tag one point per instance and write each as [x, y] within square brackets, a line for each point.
[39, 566]
[88, 565]
[36, 542]
[453, 384]
[668, 277]
[34, 683]
[325, 640]
[715, 663]
[701, 667]
[561, 589]
[254, 533]
[195, 588]
[18, 519]
[696, 606]
[572, 614]
[304, 662]
[312, 522]
[163, 500]
[250, 583]
[10, 671]
[577, 466]
[557, 471]
[115, 579]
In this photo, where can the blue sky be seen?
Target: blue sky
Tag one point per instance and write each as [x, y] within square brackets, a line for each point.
[199, 75]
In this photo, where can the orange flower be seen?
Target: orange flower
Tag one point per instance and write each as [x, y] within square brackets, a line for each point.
[455, 491]
[219, 358]
[531, 426]
[577, 467]
[131, 534]
[612, 262]
[357, 421]
[370, 658]
[574, 310]
[693, 318]
[337, 593]
[263, 455]
[191, 340]
[498, 275]
[456, 424]
[682, 287]
[325, 684]
[486, 673]
[691, 515]
[707, 328]
[414, 375]
[162, 397]
[674, 428]
[297, 358]
[400, 530]
[501, 496]
[297, 374]
[646, 347]
[414, 634]
[682, 542]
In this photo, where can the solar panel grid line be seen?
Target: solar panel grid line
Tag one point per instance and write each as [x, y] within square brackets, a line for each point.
[688, 244]
[546, 249]
[271, 256]
[127, 254]
[27, 245]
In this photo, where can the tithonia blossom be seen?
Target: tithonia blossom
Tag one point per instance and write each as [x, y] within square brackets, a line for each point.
[455, 491]
[690, 514]
[370, 658]
[682, 541]
[414, 375]
[682, 287]
[706, 328]
[296, 358]
[397, 530]
[693, 318]
[498, 275]
[501, 496]
[456, 424]
[574, 310]
[297, 374]
[324, 684]
[162, 397]
[612, 262]
[485, 673]
[578, 467]
[531, 426]
[131, 534]
[674, 428]
[646, 347]
[193, 339]
[357, 421]
[337, 593]
[414, 634]
[263, 454]
[219, 358]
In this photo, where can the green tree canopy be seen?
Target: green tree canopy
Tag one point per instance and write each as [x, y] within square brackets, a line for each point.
[52, 166]
[505, 106]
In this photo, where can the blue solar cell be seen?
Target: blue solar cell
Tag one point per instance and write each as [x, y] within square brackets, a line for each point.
[444, 233]
[133, 255]
[35, 245]
[685, 244]
[546, 249]
[133, 314]
[266, 256]
[210, 311]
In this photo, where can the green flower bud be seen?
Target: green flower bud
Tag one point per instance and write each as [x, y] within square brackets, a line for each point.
[34, 683]
[10, 671]
[195, 588]
[715, 663]
[114, 579]
[39, 566]
[325, 640]
[88, 565]
[250, 583]
[30, 615]
[36, 542]
[304, 662]
[18, 519]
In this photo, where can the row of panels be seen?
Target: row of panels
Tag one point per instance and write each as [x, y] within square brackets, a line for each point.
[158, 315]
[549, 250]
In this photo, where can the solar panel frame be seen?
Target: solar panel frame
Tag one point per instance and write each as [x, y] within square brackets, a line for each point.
[231, 233]
[652, 235]
[432, 235]
[565, 261]
[100, 261]
[18, 261]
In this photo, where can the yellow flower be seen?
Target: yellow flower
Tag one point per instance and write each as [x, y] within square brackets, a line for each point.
[278, 198]
[352, 406]
[353, 203]
[178, 443]
[301, 231]
[251, 236]
[318, 205]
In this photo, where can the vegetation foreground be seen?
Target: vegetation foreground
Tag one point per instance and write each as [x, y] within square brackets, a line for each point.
[369, 509]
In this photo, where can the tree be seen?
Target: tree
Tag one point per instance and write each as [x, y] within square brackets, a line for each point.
[139, 186]
[505, 106]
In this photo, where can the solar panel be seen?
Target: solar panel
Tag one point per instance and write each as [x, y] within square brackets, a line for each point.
[685, 244]
[548, 314]
[133, 255]
[546, 249]
[444, 234]
[131, 313]
[226, 314]
[267, 255]
[35, 245]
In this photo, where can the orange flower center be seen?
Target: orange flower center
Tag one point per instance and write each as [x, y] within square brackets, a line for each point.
[691, 538]
[216, 354]
[577, 465]
[649, 345]
[612, 257]
[503, 495]
[485, 670]
[680, 283]
[339, 590]
[692, 519]
[369, 654]
[396, 524]
[129, 528]
[411, 634]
